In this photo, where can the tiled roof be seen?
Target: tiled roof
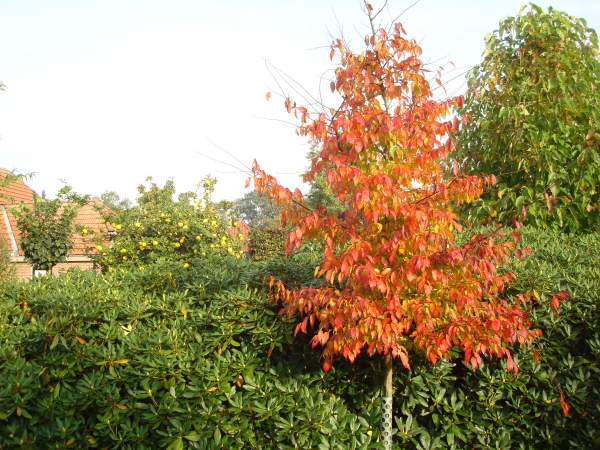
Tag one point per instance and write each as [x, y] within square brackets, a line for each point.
[15, 192]
[90, 218]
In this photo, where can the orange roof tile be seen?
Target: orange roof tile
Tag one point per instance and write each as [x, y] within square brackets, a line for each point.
[15, 192]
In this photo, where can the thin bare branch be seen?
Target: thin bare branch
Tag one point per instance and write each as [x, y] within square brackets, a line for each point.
[226, 164]
[291, 124]
[267, 63]
[233, 156]
[402, 13]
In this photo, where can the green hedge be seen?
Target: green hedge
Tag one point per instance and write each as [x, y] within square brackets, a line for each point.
[450, 405]
[224, 370]
[266, 243]
[95, 361]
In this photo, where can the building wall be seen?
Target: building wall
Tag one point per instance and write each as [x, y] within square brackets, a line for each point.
[24, 269]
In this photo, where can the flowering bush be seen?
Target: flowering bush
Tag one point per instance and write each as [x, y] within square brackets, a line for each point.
[160, 228]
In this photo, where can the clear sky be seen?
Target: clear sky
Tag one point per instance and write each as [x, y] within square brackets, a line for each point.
[103, 94]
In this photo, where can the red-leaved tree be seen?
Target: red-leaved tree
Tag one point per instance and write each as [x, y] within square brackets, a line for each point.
[396, 279]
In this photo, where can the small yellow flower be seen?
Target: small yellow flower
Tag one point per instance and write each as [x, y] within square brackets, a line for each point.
[162, 214]
[197, 238]
[214, 222]
[137, 224]
[155, 243]
[186, 265]
[185, 227]
[179, 224]
[182, 239]
[167, 220]
[205, 220]
[195, 251]
[84, 231]
[99, 248]
[177, 245]
[141, 267]
[124, 258]
[229, 249]
[123, 250]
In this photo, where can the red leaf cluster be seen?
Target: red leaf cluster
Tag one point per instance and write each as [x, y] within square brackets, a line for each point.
[396, 279]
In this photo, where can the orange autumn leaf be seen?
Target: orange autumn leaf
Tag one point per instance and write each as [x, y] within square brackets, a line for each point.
[563, 404]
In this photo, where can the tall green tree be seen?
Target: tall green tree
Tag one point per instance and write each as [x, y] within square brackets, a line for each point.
[531, 118]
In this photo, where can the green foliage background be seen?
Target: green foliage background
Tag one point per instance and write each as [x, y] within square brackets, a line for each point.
[266, 243]
[8, 273]
[257, 211]
[532, 120]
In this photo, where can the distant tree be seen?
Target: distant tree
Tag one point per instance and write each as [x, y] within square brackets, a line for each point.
[532, 119]
[257, 211]
[114, 201]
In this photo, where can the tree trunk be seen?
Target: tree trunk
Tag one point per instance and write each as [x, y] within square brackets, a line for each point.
[386, 403]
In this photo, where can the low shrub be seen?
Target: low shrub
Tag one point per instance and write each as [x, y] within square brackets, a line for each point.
[199, 358]
[95, 361]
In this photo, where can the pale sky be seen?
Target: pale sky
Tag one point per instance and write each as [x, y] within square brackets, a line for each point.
[103, 94]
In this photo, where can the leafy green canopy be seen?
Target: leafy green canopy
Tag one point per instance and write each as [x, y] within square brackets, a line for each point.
[257, 211]
[114, 200]
[47, 228]
[161, 228]
[532, 119]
